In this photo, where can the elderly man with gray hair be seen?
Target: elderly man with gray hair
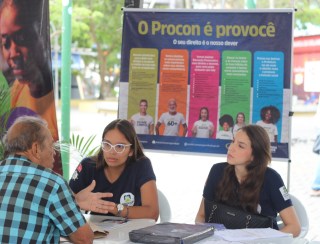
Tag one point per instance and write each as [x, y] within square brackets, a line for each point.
[37, 204]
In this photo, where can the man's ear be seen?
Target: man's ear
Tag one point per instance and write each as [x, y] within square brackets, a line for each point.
[35, 150]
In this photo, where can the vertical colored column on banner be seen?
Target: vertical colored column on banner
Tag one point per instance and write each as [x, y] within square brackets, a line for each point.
[268, 89]
[235, 85]
[143, 76]
[204, 86]
[173, 81]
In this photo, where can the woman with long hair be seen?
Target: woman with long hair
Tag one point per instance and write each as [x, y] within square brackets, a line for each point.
[121, 168]
[203, 128]
[240, 122]
[269, 117]
[245, 181]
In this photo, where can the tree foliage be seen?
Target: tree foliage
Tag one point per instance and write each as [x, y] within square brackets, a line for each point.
[308, 12]
[96, 24]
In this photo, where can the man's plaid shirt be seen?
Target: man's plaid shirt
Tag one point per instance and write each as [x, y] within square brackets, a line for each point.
[36, 204]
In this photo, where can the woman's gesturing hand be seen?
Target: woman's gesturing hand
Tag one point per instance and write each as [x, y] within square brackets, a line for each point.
[92, 201]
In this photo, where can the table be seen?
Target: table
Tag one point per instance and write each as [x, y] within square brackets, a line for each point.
[119, 233]
[288, 239]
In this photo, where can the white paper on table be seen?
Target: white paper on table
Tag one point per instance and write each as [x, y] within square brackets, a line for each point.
[250, 234]
[209, 241]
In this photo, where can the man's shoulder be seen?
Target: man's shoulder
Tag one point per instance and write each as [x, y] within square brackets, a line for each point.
[165, 113]
[50, 176]
[138, 115]
[135, 115]
[164, 116]
[180, 114]
[24, 168]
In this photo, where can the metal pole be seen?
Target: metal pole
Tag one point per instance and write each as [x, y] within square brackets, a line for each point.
[222, 4]
[187, 4]
[172, 4]
[55, 58]
[271, 3]
[65, 83]
[288, 175]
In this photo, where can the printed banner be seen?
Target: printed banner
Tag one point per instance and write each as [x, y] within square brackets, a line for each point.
[25, 62]
[190, 79]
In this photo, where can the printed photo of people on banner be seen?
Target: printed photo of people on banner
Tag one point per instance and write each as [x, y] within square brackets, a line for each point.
[206, 74]
[25, 61]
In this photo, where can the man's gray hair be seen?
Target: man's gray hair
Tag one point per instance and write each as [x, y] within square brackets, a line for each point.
[23, 133]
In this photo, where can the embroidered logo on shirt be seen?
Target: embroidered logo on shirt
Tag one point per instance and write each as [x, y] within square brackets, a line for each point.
[284, 193]
[127, 198]
[75, 175]
[79, 168]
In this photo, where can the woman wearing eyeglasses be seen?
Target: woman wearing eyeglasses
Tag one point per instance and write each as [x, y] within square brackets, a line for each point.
[121, 168]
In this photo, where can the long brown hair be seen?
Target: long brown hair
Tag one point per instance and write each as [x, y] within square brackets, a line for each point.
[246, 195]
[126, 128]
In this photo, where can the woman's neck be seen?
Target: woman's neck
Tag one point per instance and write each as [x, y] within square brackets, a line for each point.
[241, 172]
[113, 173]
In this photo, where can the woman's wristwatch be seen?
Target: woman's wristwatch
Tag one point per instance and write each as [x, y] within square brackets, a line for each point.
[120, 208]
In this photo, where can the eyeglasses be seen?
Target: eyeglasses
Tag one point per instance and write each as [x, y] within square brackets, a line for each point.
[119, 148]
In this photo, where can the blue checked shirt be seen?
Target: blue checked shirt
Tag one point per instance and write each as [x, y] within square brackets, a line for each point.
[36, 204]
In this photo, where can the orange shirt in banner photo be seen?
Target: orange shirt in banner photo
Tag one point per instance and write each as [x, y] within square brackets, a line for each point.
[173, 88]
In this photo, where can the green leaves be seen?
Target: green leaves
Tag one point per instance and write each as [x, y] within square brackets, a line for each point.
[83, 146]
[4, 99]
[4, 114]
[96, 25]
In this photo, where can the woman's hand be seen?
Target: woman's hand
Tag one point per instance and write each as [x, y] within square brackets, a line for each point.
[92, 201]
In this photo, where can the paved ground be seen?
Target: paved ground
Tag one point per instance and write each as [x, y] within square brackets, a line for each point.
[181, 177]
